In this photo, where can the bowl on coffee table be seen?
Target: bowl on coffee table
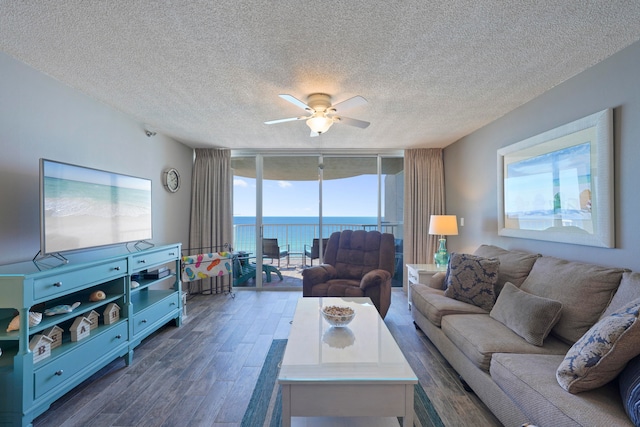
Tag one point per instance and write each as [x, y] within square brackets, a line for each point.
[338, 316]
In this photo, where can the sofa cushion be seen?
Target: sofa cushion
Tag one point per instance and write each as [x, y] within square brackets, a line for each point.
[583, 289]
[514, 265]
[437, 280]
[433, 304]
[629, 383]
[479, 336]
[628, 290]
[529, 379]
[529, 316]
[342, 288]
[602, 353]
[336, 288]
[472, 279]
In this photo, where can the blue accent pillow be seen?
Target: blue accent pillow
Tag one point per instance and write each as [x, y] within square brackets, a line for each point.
[472, 279]
[602, 353]
[629, 381]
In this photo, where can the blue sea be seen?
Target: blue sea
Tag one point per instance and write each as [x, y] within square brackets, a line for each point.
[307, 220]
[294, 231]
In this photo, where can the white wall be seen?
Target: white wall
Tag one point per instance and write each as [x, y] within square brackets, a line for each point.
[471, 172]
[40, 117]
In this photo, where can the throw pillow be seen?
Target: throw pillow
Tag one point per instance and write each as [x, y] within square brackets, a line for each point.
[472, 279]
[584, 290]
[528, 315]
[601, 353]
[514, 265]
[629, 383]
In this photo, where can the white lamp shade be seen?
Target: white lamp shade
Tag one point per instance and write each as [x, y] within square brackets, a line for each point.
[443, 225]
[319, 123]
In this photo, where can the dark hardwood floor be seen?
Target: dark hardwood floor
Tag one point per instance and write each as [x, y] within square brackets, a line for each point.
[203, 373]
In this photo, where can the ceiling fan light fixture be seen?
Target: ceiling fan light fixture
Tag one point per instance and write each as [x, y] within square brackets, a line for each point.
[319, 123]
[323, 114]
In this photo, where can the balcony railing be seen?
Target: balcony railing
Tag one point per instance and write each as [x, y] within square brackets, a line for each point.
[296, 236]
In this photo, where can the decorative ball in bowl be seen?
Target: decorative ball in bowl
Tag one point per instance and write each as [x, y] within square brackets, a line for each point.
[338, 316]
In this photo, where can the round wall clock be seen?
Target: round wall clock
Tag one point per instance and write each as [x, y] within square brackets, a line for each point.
[172, 180]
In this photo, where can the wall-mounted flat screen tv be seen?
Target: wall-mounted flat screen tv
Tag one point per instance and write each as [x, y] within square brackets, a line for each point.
[85, 208]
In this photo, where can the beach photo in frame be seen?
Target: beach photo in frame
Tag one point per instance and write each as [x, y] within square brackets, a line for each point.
[558, 186]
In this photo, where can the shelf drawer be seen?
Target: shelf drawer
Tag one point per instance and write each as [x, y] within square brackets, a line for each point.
[66, 366]
[151, 259]
[157, 311]
[61, 284]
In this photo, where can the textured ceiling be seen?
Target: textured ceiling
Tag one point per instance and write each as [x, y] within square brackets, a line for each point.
[208, 72]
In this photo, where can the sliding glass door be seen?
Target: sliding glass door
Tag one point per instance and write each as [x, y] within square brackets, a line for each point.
[350, 193]
[245, 221]
[285, 205]
[290, 210]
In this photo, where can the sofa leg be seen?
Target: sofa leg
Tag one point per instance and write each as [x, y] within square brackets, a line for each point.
[465, 385]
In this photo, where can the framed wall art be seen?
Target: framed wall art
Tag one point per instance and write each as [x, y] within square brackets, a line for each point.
[558, 185]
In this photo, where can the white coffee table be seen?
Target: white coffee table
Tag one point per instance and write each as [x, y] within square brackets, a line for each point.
[356, 371]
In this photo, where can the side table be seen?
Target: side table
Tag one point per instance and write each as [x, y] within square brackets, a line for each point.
[420, 273]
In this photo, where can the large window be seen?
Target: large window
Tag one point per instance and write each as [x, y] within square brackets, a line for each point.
[296, 199]
[244, 220]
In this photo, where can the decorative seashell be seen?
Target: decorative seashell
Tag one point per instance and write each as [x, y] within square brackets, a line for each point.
[34, 319]
[97, 296]
[134, 284]
[61, 309]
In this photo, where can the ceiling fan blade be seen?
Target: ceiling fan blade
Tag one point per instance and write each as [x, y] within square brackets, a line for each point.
[347, 104]
[290, 119]
[353, 122]
[295, 101]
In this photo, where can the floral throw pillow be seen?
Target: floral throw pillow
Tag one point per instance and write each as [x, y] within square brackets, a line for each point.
[602, 353]
[629, 384]
[472, 279]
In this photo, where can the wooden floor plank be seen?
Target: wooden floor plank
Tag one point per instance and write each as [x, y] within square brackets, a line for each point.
[203, 373]
[205, 414]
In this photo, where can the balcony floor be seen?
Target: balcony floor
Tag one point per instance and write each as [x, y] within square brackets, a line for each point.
[292, 275]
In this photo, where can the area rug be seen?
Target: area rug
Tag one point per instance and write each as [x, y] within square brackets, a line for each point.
[265, 406]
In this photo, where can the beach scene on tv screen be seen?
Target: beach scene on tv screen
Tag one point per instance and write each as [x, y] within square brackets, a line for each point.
[86, 208]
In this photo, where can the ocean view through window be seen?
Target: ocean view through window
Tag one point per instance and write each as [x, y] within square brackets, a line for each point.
[296, 199]
[295, 231]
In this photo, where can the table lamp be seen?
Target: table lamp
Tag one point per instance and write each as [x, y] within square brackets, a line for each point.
[443, 225]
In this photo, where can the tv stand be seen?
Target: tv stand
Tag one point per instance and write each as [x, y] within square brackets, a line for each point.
[39, 257]
[32, 379]
[143, 245]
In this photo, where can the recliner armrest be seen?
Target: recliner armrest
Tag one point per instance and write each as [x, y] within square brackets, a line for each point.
[375, 278]
[320, 273]
[317, 274]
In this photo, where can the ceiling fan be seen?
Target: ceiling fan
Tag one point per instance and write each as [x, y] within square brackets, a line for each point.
[322, 113]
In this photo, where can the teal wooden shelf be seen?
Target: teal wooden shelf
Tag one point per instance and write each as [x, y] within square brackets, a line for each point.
[31, 286]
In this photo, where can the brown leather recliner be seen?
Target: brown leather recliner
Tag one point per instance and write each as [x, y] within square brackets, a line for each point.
[356, 264]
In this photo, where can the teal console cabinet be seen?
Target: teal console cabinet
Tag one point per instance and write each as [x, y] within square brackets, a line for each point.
[40, 363]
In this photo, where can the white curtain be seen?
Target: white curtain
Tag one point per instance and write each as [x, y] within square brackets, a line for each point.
[211, 223]
[424, 196]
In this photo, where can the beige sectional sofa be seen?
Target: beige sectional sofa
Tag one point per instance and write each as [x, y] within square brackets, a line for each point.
[494, 351]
